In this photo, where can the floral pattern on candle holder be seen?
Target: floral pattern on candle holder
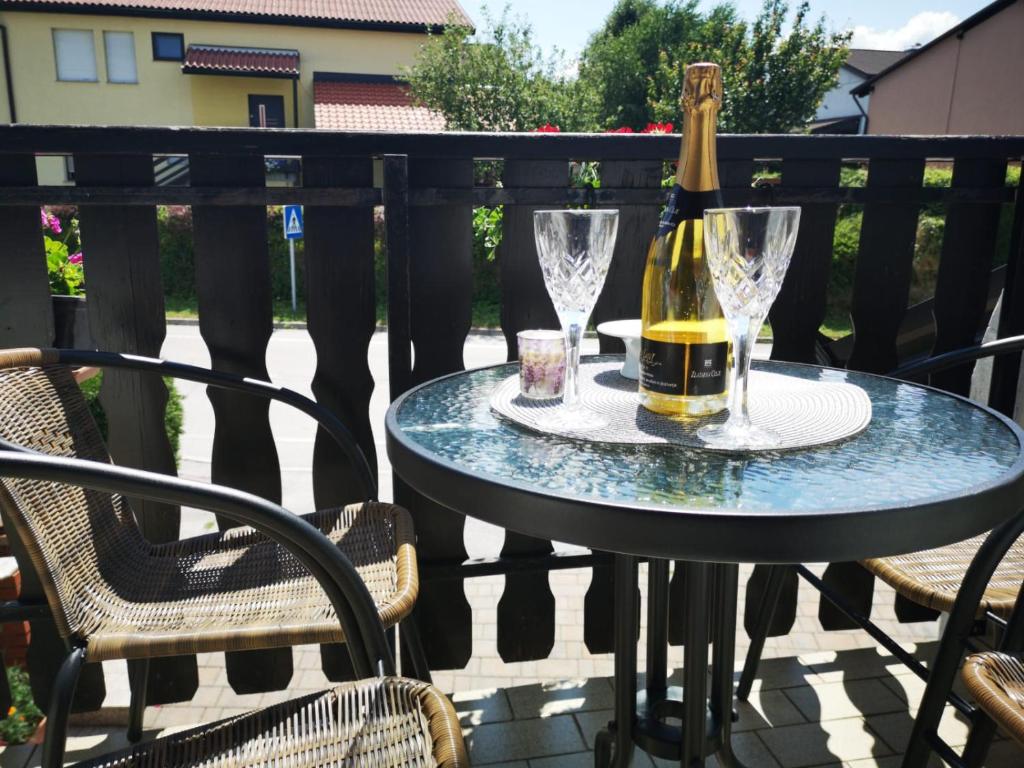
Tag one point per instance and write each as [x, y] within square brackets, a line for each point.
[541, 364]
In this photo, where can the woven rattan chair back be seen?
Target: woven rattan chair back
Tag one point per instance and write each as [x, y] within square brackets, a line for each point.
[73, 536]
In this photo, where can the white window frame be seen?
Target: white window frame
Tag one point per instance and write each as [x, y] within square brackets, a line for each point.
[56, 34]
[107, 35]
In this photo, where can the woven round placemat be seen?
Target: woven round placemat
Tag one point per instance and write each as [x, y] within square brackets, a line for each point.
[804, 413]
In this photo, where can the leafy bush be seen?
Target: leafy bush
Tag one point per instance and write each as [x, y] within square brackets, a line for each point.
[64, 266]
[174, 417]
[23, 716]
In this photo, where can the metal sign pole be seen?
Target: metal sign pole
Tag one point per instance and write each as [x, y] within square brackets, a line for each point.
[291, 263]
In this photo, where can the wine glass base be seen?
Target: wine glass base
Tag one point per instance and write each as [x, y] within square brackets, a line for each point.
[738, 437]
[572, 419]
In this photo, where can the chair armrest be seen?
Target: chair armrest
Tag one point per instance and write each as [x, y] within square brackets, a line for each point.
[958, 357]
[345, 589]
[330, 423]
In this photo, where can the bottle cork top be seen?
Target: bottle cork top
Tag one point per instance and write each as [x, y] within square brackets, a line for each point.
[702, 86]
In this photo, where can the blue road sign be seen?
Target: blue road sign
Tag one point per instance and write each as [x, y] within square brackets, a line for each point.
[293, 222]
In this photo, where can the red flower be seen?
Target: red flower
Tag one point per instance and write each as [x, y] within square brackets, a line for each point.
[623, 129]
[547, 128]
[658, 128]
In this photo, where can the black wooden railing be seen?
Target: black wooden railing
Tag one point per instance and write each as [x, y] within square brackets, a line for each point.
[426, 186]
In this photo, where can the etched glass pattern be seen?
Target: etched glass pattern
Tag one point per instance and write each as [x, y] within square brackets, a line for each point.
[575, 250]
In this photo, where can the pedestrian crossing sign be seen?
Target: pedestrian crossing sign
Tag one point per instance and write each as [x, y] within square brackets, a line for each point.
[292, 222]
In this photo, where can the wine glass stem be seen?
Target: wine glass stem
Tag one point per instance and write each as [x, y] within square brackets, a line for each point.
[743, 331]
[573, 331]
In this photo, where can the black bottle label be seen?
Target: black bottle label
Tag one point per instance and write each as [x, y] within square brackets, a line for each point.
[683, 204]
[690, 370]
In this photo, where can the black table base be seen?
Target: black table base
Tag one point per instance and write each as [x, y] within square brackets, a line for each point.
[688, 723]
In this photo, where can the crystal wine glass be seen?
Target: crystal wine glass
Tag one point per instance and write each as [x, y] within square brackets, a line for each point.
[575, 249]
[748, 252]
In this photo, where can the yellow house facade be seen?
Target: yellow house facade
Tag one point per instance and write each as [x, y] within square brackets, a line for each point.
[211, 62]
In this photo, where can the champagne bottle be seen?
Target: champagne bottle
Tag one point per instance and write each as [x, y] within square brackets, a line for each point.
[685, 340]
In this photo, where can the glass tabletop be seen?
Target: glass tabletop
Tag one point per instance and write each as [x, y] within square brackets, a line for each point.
[922, 445]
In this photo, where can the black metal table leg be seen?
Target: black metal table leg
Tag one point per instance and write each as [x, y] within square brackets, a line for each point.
[614, 745]
[724, 661]
[695, 666]
[657, 629]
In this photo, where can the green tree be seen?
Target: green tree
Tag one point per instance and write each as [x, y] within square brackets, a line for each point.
[497, 80]
[773, 81]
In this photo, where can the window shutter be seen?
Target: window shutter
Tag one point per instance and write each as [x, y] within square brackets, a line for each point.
[76, 55]
[120, 50]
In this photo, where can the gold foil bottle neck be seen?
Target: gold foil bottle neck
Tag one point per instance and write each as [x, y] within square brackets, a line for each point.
[702, 87]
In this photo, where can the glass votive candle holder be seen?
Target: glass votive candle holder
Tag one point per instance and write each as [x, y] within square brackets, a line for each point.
[541, 364]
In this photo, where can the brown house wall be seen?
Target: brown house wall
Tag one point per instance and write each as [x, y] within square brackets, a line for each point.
[969, 85]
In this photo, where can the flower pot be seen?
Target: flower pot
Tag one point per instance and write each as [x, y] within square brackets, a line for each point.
[71, 323]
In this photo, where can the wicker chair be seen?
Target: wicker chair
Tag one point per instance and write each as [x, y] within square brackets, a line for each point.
[385, 722]
[996, 681]
[113, 595]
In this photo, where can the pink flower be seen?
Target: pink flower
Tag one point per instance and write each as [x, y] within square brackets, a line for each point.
[658, 128]
[42, 215]
[54, 223]
[547, 128]
[75, 258]
[623, 129]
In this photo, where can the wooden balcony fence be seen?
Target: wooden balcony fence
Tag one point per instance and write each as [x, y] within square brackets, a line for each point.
[426, 187]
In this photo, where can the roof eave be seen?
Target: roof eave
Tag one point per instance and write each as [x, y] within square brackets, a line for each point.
[236, 18]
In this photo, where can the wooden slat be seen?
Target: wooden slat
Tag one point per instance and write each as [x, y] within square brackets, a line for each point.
[734, 175]
[341, 312]
[359, 197]
[785, 610]
[525, 302]
[126, 314]
[526, 610]
[26, 317]
[620, 299]
[799, 310]
[1006, 369]
[27, 139]
[440, 297]
[856, 584]
[235, 320]
[884, 267]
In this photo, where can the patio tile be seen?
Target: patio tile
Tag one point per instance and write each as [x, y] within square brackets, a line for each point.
[524, 739]
[782, 672]
[592, 722]
[813, 744]
[575, 760]
[562, 697]
[857, 664]
[1005, 754]
[853, 698]
[516, 764]
[766, 709]
[483, 706]
[895, 728]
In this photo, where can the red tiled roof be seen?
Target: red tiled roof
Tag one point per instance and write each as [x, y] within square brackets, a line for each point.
[370, 106]
[228, 59]
[327, 12]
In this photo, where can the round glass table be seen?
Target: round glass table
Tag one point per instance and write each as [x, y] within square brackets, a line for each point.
[896, 487]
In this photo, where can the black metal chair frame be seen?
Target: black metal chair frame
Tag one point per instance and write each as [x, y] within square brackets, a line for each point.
[241, 507]
[962, 626]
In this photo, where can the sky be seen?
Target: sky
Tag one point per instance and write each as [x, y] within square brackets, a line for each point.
[886, 24]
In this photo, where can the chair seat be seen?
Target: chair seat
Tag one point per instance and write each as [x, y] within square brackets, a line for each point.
[933, 577]
[238, 590]
[390, 722]
[996, 681]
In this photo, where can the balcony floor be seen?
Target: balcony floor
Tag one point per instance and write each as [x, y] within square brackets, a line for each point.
[824, 699]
